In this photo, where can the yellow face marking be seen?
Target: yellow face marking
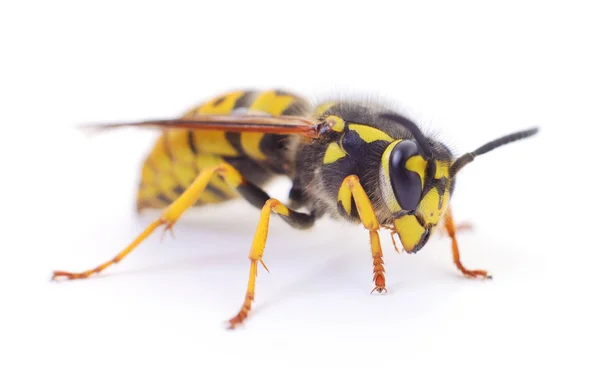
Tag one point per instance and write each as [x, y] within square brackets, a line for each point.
[333, 153]
[369, 134]
[410, 231]
[272, 103]
[251, 144]
[417, 164]
[441, 169]
[429, 207]
[335, 123]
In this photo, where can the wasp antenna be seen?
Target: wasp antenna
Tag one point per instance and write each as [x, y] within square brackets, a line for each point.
[468, 157]
[414, 130]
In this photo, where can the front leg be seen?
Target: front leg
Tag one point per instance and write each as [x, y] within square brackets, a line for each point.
[351, 188]
[451, 230]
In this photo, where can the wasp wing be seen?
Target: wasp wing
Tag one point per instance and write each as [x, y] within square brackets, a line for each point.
[242, 123]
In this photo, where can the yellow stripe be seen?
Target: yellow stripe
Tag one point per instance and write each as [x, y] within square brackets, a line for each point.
[225, 105]
[251, 145]
[204, 161]
[158, 156]
[177, 141]
[272, 103]
[148, 174]
[333, 153]
[165, 184]
[369, 134]
[214, 143]
[184, 173]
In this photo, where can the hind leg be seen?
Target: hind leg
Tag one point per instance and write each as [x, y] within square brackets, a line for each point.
[169, 216]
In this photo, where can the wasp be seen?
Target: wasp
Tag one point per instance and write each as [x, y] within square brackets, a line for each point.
[359, 162]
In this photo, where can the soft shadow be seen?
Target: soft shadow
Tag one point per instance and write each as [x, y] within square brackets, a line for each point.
[302, 285]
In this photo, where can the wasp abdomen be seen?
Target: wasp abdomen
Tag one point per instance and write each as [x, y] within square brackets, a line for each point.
[179, 156]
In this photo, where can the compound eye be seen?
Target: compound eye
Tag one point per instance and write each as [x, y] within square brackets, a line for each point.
[406, 184]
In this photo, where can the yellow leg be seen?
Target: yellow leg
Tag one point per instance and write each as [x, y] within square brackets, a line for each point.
[168, 217]
[464, 226]
[351, 188]
[257, 249]
[451, 230]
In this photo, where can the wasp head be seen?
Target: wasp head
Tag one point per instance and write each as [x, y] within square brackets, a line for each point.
[416, 185]
[417, 178]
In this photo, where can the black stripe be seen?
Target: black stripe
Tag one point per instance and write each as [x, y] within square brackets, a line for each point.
[235, 140]
[299, 220]
[296, 108]
[163, 198]
[191, 143]
[219, 101]
[254, 195]
[245, 101]
[216, 191]
[179, 190]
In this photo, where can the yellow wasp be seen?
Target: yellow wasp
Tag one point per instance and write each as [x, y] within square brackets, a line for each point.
[360, 162]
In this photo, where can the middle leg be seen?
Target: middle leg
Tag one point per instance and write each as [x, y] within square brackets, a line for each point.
[295, 219]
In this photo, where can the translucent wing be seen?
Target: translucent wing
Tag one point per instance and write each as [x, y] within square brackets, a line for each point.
[243, 123]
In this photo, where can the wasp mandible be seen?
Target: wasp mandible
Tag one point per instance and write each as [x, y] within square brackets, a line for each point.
[363, 163]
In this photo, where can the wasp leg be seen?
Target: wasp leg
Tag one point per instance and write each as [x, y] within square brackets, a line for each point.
[451, 230]
[351, 188]
[169, 215]
[464, 226]
[295, 219]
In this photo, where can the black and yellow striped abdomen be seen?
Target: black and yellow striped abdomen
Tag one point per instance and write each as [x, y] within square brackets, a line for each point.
[179, 156]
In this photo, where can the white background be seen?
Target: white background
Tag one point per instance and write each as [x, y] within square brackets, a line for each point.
[469, 72]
